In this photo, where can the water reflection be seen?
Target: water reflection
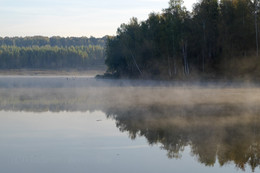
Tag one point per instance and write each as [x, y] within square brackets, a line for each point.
[218, 124]
[211, 131]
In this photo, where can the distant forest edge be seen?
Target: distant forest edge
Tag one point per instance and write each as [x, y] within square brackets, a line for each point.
[40, 52]
[216, 39]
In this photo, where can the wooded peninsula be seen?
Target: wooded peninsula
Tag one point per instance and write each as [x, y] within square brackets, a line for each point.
[217, 39]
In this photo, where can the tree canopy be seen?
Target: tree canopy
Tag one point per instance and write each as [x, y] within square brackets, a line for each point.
[51, 53]
[217, 38]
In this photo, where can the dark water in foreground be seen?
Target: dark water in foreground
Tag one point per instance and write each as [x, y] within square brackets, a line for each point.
[59, 124]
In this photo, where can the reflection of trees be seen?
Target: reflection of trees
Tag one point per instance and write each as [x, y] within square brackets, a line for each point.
[227, 132]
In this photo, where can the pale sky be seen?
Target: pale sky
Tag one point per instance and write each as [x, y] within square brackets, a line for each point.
[73, 17]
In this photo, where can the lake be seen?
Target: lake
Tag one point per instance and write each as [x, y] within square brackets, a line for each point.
[80, 124]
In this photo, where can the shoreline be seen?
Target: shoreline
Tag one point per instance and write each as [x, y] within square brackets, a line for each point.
[101, 74]
[40, 72]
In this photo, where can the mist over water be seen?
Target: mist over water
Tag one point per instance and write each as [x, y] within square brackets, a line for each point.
[219, 123]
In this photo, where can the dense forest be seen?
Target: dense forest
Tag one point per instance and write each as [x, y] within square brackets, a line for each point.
[216, 39]
[52, 53]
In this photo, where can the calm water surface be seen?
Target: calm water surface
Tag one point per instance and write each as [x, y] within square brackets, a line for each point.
[71, 124]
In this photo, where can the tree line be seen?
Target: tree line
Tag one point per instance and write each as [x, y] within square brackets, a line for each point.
[215, 39]
[52, 41]
[51, 53]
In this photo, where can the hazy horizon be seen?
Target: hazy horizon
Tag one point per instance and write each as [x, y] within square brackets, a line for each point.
[20, 18]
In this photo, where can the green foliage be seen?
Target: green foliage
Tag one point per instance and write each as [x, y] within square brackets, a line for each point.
[51, 53]
[177, 43]
[52, 41]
